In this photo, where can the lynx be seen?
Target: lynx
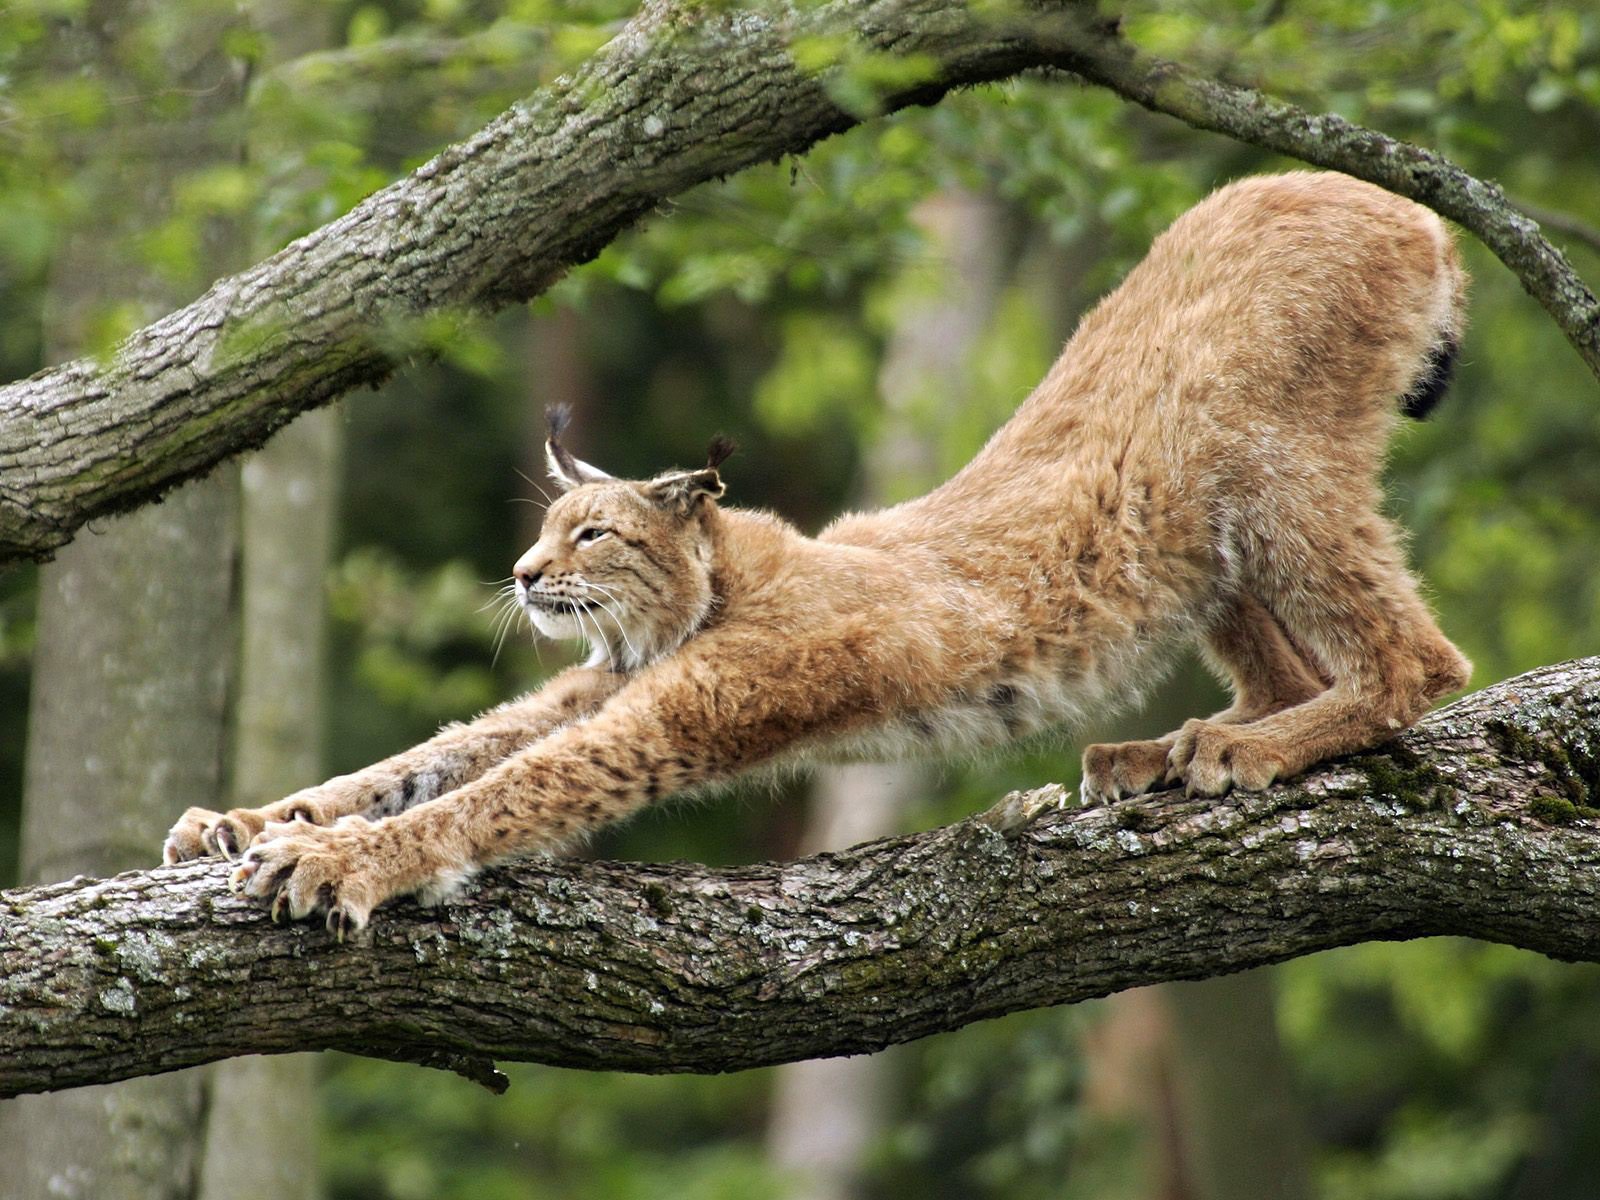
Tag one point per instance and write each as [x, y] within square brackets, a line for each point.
[1199, 465]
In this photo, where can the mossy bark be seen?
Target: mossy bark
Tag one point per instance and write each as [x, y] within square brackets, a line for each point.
[685, 93]
[675, 967]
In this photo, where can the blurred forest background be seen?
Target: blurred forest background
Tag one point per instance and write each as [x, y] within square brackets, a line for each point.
[859, 319]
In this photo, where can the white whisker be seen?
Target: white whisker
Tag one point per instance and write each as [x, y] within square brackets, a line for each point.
[535, 485]
[638, 659]
[508, 614]
[600, 648]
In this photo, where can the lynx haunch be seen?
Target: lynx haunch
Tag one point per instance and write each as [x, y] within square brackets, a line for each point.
[1200, 464]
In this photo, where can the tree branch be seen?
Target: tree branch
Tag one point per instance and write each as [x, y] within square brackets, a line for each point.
[1476, 823]
[1101, 55]
[684, 94]
[1566, 223]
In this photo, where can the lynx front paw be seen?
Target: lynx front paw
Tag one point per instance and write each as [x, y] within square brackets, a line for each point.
[1209, 759]
[201, 832]
[305, 870]
[1114, 770]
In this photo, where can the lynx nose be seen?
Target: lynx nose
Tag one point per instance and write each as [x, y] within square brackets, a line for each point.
[529, 569]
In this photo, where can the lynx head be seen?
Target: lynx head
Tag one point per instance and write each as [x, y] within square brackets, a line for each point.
[623, 564]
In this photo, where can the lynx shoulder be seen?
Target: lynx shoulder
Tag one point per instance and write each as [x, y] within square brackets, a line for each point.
[1200, 465]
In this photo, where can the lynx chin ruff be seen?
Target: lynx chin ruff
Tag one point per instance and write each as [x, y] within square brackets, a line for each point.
[1200, 464]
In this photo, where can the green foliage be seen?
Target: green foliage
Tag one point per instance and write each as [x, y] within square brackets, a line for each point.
[556, 1135]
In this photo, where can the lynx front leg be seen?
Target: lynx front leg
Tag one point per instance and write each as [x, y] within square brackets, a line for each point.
[455, 755]
[707, 714]
[544, 797]
[1268, 674]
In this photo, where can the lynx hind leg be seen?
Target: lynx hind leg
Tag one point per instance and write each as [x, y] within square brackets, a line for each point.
[1357, 610]
[1267, 672]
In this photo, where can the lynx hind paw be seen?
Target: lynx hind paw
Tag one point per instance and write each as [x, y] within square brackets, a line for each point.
[1114, 770]
[201, 833]
[1209, 759]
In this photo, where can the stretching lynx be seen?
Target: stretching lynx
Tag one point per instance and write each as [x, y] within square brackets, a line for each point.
[1199, 464]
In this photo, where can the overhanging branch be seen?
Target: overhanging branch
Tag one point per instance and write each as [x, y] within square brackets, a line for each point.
[684, 94]
[1474, 823]
[1102, 56]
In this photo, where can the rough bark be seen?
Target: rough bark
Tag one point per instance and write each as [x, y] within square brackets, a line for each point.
[684, 94]
[1474, 823]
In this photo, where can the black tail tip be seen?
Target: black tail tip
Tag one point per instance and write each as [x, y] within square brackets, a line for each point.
[1432, 384]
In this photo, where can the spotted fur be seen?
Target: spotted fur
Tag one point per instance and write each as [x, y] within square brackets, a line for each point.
[1199, 465]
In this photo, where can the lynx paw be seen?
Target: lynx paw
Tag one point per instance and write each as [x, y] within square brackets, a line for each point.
[303, 870]
[201, 832]
[1114, 770]
[1209, 759]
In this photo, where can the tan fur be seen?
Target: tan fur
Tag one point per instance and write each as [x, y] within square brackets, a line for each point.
[1200, 464]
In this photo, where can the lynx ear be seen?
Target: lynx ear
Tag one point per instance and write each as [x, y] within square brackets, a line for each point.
[682, 490]
[566, 470]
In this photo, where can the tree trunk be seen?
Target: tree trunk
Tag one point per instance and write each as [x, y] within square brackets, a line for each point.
[125, 729]
[679, 97]
[826, 1113]
[1244, 1134]
[257, 1106]
[128, 715]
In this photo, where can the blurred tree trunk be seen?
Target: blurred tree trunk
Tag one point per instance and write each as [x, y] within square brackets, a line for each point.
[826, 1113]
[558, 373]
[125, 729]
[1244, 1132]
[129, 711]
[1197, 1066]
[1127, 1055]
[256, 1106]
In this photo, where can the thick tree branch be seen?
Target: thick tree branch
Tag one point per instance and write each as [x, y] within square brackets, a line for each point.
[1476, 822]
[684, 94]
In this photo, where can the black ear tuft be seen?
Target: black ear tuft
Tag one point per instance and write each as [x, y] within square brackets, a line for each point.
[566, 470]
[718, 452]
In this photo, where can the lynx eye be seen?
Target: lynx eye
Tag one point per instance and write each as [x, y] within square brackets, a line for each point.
[590, 533]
